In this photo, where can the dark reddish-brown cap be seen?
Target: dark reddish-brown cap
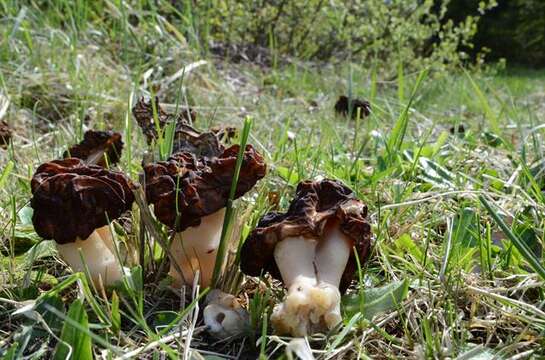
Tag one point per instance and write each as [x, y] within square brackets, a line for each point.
[96, 147]
[198, 186]
[344, 106]
[315, 205]
[5, 133]
[186, 137]
[71, 199]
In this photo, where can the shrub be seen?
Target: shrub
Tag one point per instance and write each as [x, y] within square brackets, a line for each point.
[414, 33]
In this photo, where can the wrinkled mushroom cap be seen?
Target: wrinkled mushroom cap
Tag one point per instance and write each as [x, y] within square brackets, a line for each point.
[96, 146]
[5, 133]
[315, 205]
[344, 106]
[71, 199]
[186, 138]
[198, 186]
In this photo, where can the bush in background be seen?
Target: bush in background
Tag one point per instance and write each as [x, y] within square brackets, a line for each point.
[411, 33]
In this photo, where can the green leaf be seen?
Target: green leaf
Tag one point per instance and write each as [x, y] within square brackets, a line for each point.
[406, 244]
[5, 173]
[288, 175]
[371, 302]
[75, 343]
[25, 215]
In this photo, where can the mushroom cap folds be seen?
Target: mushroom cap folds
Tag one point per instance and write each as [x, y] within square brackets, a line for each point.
[186, 137]
[71, 199]
[96, 146]
[316, 205]
[344, 106]
[198, 186]
[5, 133]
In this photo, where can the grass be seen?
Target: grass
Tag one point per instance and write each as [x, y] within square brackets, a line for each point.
[457, 218]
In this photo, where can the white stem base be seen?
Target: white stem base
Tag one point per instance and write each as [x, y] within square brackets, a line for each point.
[309, 307]
[312, 273]
[195, 249]
[98, 257]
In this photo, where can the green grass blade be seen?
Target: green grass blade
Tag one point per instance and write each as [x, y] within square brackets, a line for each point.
[6, 172]
[74, 344]
[519, 244]
[229, 208]
[489, 114]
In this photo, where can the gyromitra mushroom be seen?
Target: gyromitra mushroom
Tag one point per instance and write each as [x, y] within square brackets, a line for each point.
[223, 315]
[344, 107]
[310, 248]
[98, 147]
[5, 133]
[189, 195]
[73, 203]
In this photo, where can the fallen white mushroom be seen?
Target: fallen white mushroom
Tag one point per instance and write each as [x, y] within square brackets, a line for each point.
[223, 315]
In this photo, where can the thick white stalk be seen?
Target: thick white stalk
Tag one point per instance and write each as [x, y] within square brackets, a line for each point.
[195, 249]
[98, 257]
[312, 273]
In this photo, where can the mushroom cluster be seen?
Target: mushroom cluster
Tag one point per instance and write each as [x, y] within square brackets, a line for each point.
[73, 204]
[313, 248]
[310, 249]
[189, 194]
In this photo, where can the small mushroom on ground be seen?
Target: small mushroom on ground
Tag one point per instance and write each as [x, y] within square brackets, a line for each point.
[310, 248]
[223, 315]
[189, 195]
[73, 204]
[5, 133]
[345, 107]
[97, 148]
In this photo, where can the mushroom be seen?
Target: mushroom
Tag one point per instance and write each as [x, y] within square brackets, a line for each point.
[5, 134]
[97, 148]
[73, 203]
[223, 315]
[189, 195]
[345, 106]
[310, 248]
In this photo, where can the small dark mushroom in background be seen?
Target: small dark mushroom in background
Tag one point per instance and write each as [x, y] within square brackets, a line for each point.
[73, 203]
[186, 137]
[97, 148]
[310, 248]
[224, 133]
[345, 107]
[460, 129]
[189, 195]
[5, 134]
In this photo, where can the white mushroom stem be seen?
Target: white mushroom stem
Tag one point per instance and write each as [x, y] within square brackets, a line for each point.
[98, 255]
[195, 249]
[312, 271]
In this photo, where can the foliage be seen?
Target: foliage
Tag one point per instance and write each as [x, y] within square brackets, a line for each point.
[413, 33]
[514, 30]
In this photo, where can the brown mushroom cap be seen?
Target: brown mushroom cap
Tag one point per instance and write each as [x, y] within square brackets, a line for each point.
[5, 133]
[344, 106]
[96, 146]
[198, 186]
[316, 204]
[71, 199]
